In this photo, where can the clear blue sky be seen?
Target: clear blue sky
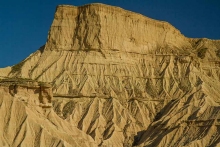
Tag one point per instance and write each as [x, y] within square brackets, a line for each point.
[24, 24]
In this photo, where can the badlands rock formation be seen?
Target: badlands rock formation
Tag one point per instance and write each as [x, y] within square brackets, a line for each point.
[118, 79]
[27, 118]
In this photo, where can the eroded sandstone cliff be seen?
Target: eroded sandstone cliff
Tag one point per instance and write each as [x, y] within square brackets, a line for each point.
[27, 118]
[124, 80]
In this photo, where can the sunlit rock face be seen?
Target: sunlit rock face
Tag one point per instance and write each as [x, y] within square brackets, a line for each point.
[120, 79]
[27, 117]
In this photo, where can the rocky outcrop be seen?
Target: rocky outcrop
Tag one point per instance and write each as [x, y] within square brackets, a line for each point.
[33, 92]
[101, 27]
[27, 118]
[127, 80]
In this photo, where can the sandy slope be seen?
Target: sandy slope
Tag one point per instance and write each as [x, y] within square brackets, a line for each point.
[25, 122]
[123, 79]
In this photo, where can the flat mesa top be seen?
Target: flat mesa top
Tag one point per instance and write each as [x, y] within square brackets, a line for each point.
[101, 6]
[88, 5]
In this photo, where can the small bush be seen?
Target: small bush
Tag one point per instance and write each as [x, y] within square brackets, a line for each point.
[17, 67]
[201, 53]
[218, 53]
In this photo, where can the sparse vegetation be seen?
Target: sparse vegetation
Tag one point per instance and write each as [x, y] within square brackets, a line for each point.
[17, 67]
[201, 53]
[23, 81]
[218, 53]
[16, 80]
[44, 84]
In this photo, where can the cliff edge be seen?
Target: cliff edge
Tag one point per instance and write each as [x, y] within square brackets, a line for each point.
[118, 78]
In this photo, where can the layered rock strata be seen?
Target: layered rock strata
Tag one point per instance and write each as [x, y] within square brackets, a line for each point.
[128, 80]
[27, 90]
[27, 118]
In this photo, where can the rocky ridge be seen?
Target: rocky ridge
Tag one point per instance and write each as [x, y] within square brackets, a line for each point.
[122, 79]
